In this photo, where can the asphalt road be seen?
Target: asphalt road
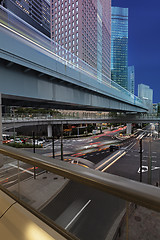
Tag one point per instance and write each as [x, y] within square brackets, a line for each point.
[10, 175]
[128, 165]
[78, 208]
[85, 212]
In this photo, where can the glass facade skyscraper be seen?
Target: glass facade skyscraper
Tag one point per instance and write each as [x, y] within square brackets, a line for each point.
[84, 28]
[146, 94]
[131, 79]
[119, 46]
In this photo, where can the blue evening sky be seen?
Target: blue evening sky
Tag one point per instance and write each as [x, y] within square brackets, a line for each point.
[144, 42]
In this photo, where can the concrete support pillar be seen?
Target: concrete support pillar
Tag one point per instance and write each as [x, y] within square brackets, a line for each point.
[129, 128]
[1, 139]
[49, 129]
[77, 131]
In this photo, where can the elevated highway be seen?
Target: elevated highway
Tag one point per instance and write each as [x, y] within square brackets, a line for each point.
[40, 72]
[46, 120]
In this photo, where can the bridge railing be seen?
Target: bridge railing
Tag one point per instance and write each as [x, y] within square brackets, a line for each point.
[53, 49]
[7, 117]
[69, 197]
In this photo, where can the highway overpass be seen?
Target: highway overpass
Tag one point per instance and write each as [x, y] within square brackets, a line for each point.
[17, 122]
[40, 72]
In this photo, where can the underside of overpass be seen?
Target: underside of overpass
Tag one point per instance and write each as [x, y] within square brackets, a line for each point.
[28, 82]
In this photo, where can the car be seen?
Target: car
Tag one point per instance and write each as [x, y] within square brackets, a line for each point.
[18, 140]
[113, 147]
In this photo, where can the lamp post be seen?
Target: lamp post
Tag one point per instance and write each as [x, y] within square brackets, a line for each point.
[140, 144]
[62, 141]
[150, 163]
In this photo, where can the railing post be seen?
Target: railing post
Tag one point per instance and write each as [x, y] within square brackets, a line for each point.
[34, 152]
[19, 196]
[127, 219]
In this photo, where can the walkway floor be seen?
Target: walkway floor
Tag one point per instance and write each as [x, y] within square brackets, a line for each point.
[38, 192]
[144, 224]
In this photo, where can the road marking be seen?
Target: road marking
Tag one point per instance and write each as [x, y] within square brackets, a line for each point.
[108, 160]
[114, 161]
[6, 169]
[11, 182]
[145, 169]
[77, 214]
[24, 170]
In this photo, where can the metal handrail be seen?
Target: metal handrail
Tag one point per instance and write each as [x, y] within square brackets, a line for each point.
[67, 235]
[132, 191]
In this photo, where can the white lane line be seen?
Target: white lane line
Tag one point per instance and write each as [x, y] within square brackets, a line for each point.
[6, 169]
[11, 182]
[7, 178]
[77, 214]
[25, 170]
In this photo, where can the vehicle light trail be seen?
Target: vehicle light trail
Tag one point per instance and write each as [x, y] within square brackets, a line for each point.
[59, 57]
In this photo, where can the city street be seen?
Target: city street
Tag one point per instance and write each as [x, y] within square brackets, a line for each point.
[128, 165]
[77, 207]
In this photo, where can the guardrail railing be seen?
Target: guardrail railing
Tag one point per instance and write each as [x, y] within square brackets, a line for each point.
[72, 198]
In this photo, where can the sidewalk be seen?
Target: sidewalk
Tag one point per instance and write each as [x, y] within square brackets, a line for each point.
[144, 224]
[38, 192]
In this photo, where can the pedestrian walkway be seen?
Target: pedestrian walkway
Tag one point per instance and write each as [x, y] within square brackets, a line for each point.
[143, 224]
[38, 192]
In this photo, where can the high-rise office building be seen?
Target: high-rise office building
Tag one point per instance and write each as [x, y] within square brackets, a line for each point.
[34, 12]
[84, 28]
[131, 79]
[119, 46]
[146, 94]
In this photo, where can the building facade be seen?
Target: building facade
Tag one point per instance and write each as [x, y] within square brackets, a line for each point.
[34, 12]
[84, 28]
[131, 79]
[146, 94]
[119, 46]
